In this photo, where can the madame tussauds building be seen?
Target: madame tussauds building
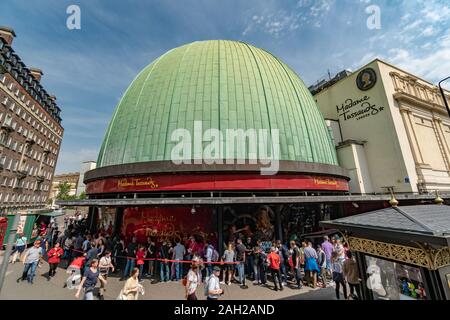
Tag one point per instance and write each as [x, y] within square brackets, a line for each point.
[215, 139]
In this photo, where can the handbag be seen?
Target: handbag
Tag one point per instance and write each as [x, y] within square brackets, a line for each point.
[121, 296]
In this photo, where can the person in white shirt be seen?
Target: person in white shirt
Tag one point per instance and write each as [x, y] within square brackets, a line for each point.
[213, 284]
[192, 282]
[104, 266]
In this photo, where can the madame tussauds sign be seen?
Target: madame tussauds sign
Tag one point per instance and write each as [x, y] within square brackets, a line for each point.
[230, 146]
[357, 108]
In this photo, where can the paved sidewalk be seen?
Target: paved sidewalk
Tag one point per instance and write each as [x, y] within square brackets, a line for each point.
[52, 289]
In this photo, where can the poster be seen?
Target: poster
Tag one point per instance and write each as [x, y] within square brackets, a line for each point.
[21, 226]
[169, 224]
[106, 219]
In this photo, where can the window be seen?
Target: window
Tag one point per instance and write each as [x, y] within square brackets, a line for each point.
[8, 120]
[394, 281]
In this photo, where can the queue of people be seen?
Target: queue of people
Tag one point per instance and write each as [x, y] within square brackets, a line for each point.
[94, 257]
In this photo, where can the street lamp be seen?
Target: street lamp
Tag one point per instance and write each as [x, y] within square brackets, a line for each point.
[443, 95]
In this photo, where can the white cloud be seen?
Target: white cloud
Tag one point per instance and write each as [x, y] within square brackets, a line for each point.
[433, 66]
[278, 22]
[428, 32]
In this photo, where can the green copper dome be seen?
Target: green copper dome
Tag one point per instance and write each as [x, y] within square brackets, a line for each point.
[224, 84]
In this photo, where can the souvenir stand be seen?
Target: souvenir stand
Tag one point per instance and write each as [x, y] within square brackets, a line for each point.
[403, 253]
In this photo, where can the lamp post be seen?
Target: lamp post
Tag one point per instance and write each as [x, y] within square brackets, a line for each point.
[443, 95]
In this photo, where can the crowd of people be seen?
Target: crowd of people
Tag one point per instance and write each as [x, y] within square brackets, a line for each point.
[192, 260]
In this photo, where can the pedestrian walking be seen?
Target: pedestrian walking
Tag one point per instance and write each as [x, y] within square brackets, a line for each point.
[192, 281]
[31, 260]
[89, 281]
[54, 258]
[212, 285]
[351, 274]
[338, 277]
[20, 246]
[273, 262]
[132, 287]
[104, 266]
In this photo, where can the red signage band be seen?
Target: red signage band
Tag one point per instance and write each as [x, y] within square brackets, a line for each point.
[211, 182]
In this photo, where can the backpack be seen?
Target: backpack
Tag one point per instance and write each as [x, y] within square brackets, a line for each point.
[215, 256]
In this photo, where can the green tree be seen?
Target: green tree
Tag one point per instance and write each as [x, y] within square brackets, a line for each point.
[82, 196]
[63, 191]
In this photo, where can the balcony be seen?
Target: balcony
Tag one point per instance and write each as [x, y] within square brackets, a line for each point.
[40, 178]
[7, 127]
[21, 174]
[30, 141]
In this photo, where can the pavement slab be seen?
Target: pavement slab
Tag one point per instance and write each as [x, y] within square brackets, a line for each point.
[53, 289]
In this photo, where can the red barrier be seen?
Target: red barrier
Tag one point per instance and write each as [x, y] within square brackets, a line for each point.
[165, 260]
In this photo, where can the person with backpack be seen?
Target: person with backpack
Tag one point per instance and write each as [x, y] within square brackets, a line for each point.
[212, 285]
[283, 252]
[209, 251]
[191, 282]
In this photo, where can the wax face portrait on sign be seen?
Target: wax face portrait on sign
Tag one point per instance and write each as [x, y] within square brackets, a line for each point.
[256, 222]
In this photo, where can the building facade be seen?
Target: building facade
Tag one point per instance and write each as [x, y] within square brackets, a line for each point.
[85, 167]
[30, 132]
[72, 179]
[224, 85]
[390, 128]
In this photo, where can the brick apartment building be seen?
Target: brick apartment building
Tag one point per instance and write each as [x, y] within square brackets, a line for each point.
[30, 132]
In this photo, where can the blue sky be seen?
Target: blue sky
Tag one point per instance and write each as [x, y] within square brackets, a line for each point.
[89, 69]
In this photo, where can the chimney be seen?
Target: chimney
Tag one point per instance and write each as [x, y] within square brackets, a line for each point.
[36, 73]
[7, 34]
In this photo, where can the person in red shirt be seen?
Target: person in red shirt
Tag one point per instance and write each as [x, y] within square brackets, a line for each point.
[77, 264]
[273, 260]
[54, 258]
[140, 256]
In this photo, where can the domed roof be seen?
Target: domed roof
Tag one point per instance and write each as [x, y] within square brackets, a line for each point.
[224, 84]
